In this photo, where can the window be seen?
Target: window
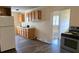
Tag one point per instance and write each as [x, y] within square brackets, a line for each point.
[56, 20]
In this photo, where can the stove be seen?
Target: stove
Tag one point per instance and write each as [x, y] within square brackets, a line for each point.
[70, 40]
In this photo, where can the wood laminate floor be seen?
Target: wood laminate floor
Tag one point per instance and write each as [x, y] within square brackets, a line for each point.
[35, 46]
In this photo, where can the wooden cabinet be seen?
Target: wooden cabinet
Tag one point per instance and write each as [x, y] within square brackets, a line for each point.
[25, 33]
[38, 14]
[29, 16]
[34, 15]
[21, 17]
[31, 33]
[17, 31]
[28, 33]
[5, 11]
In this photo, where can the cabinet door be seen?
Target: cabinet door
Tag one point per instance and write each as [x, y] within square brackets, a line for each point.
[21, 17]
[17, 31]
[33, 15]
[38, 14]
[30, 16]
[31, 33]
[26, 33]
[27, 16]
[23, 33]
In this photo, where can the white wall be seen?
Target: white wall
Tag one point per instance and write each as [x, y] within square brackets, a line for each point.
[74, 13]
[64, 20]
[54, 13]
[16, 20]
[55, 28]
[7, 33]
[74, 16]
[43, 27]
[15, 15]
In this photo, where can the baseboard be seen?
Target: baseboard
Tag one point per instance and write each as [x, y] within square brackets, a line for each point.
[13, 50]
[44, 41]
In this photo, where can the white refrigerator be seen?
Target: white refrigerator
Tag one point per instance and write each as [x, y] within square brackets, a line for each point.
[7, 33]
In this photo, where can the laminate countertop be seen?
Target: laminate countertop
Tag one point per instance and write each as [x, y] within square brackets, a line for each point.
[25, 27]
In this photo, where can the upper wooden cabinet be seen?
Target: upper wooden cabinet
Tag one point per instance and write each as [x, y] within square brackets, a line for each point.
[34, 15]
[38, 14]
[21, 17]
[30, 16]
[5, 11]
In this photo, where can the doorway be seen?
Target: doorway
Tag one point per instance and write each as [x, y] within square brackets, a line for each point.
[60, 23]
[55, 27]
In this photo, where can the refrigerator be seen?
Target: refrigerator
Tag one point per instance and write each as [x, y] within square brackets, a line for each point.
[7, 33]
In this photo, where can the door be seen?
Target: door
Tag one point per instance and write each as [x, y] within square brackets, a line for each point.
[6, 21]
[55, 27]
[7, 38]
[61, 23]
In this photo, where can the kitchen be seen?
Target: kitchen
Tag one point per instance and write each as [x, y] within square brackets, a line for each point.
[24, 29]
[26, 32]
[36, 24]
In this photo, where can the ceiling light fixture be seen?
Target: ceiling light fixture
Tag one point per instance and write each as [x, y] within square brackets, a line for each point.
[17, 9]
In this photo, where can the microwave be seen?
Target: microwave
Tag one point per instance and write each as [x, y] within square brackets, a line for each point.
[70, 44]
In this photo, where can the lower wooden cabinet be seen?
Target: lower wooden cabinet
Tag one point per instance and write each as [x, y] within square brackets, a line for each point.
[24, 33]
[17, 31]
[28, 33]
[31, 33]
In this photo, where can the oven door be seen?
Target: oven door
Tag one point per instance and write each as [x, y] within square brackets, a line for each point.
[70, 44]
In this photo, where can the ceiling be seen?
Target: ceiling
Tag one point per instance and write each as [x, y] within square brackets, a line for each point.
[22, 8]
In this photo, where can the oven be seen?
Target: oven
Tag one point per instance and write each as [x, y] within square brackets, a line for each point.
[70, 44]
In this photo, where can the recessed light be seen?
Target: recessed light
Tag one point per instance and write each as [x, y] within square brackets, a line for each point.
[17, 9]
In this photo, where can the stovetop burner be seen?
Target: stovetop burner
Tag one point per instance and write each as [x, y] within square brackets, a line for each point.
[73, 33]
